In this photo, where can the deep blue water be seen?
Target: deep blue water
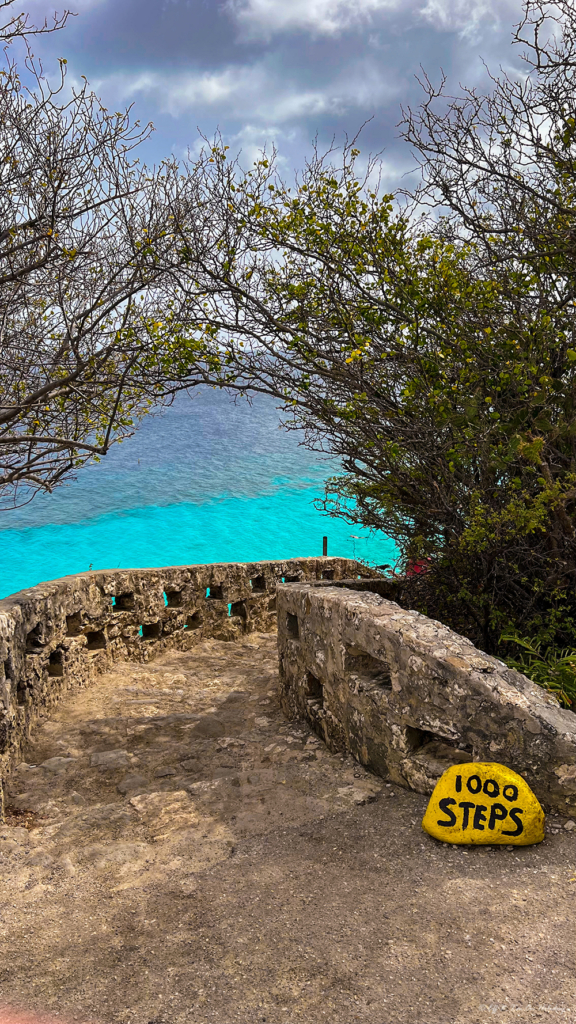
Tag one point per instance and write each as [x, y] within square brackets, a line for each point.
[209, 480]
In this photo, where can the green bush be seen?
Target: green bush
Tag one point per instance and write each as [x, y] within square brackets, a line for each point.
[552, 669]
[433, 356]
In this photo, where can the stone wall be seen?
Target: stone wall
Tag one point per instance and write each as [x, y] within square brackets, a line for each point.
[60, 634]
[408, 697]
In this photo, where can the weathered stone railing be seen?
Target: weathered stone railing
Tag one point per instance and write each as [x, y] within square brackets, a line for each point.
[59, 634]
[408, 697]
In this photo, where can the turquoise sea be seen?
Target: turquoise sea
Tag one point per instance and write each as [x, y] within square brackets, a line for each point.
[209, 480]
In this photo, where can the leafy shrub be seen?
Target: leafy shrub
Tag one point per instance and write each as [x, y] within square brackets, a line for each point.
[552, 669]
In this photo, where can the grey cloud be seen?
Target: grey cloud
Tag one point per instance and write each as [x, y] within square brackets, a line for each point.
[266, 18]
[265, 70]
[267, 94]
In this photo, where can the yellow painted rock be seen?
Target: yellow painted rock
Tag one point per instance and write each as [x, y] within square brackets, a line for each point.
[484, 804]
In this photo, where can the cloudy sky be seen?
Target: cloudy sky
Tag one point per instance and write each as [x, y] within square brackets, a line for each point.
[278, 70]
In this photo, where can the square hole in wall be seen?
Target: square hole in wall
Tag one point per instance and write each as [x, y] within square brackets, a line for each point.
[35, 641]
[173, 598]
[291, 579]
[440, 748]
[314, 691]
[238, 608]
[151, 630]
[194, 621]
[124, 602]
[74, 624]
[328, 574]
[292, 626]
[96, 640]
[258, 584]
[366, 670]
[56, 663]
[215, 592]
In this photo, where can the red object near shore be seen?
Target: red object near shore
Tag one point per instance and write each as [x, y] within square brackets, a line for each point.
[417, 567]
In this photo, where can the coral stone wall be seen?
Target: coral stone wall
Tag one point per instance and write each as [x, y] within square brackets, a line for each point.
[60, 634]
[408, 697]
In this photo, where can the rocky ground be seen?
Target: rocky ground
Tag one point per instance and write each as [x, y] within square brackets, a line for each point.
[178, 852]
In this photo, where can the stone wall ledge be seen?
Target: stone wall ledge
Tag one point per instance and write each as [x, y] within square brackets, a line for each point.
[408, 697]
[61, 634]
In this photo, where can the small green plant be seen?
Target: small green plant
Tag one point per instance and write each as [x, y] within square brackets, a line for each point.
[551, 668]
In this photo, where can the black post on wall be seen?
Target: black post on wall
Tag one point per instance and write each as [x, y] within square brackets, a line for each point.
[324, 547]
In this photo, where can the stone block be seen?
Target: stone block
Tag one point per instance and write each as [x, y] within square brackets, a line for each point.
[484, 804]
[409, 698]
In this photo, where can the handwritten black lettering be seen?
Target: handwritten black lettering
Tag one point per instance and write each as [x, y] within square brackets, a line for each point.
[514, 815]
[479, 817]
[510, 793]
[445, 807]
[477, 784]
[466, 806]
[491, 788]
[497, 813]
[458, 783]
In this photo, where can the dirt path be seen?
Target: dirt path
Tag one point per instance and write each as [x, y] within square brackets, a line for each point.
[199, 859]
